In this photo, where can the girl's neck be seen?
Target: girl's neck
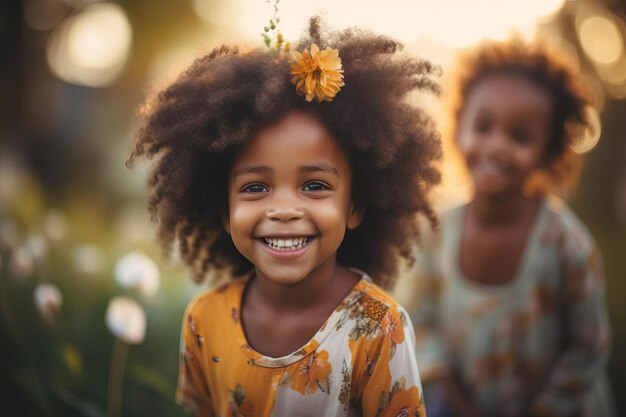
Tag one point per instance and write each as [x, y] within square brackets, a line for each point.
[313, 291]
[501, 210]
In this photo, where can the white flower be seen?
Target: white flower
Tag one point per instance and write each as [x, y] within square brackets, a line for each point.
[88, 259]
[55, 225]
[136, 270]
[48, 299]
[22, 264]
[37, 247]
[126, 319]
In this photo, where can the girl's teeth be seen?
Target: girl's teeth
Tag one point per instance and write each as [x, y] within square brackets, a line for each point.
[286, 244]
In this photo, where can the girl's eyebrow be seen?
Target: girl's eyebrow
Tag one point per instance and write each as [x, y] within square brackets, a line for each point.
[262, 169]
[254, 169]
[322, 166]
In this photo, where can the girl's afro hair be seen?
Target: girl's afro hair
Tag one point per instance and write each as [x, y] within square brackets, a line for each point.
[193, 129]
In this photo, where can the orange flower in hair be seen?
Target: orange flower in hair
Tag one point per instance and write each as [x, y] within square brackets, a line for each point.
[317, 74]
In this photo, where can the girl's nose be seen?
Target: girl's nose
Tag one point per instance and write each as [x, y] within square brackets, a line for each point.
[497, 143]
[285, 210]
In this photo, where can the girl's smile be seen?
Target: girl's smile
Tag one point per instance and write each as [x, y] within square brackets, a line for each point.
[503, 132]
[289, 199]
[289, 244]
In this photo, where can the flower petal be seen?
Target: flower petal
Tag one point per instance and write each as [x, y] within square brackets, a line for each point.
[317, 74]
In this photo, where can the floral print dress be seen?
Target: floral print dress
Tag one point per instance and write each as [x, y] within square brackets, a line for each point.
[361, 362]
[539, 342]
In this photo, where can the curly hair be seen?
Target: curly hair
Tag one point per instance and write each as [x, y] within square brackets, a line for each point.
[193, 129]
[548, 70]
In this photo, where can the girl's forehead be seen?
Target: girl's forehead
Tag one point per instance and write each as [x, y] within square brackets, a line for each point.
[508, 92]
[296, 138]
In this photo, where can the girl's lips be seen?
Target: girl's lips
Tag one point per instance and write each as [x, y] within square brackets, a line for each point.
[491, 165]
[280, 247]
[286, 243]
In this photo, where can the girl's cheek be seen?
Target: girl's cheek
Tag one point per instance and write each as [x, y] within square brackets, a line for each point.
[240, 215]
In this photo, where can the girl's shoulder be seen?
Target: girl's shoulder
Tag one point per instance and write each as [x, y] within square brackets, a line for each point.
[567, 233]
[563, 222]
[215, 299]
[370, 292]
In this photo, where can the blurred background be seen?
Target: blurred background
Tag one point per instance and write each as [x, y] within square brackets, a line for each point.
[89, 308]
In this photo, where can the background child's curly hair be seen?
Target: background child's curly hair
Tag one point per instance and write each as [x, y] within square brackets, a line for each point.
[548, 70]
[194, 128]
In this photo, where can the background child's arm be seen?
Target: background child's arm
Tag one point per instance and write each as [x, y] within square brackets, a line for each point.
[446, 394]
[587, 326]
[422, 301]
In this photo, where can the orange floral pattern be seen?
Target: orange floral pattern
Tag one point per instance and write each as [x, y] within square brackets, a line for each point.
[240, 406]
[346, 368]
[392, 325]
[404, 403]
[312, 373]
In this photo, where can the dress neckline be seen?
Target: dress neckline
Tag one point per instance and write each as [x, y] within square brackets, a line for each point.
[256, 358]
[522, 265]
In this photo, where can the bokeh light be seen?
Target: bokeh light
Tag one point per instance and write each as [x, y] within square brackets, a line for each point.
[600, 37]
[72, 217]
[614, 74]
[126, 319]
[136, 270]
[91, 47]
[48, 300]
[585, 137]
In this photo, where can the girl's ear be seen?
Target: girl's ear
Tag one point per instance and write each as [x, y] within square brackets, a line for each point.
[355, 217]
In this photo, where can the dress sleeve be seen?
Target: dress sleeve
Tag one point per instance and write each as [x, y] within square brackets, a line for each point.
[587, 327]
[393, 385]
[424, 308]
[192, 393]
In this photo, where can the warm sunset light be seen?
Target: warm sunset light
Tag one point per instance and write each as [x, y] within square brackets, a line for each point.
[183, 233]
[452, 22]
[91, 48]
[600, 39]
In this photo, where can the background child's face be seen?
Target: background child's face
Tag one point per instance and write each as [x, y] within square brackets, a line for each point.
[289, 199]
[503, 131]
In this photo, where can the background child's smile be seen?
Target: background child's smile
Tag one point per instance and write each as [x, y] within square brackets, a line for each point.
[506, 124]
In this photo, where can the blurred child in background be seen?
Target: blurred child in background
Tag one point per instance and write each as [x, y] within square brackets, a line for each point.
[509, 307]
[287, 189]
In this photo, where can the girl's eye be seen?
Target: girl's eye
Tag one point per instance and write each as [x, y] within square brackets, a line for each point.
[482, 125]
[520, 135]
[315, 186]
[254, 188]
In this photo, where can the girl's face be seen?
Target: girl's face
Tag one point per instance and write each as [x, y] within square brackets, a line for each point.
[503, 132]
[289, 199]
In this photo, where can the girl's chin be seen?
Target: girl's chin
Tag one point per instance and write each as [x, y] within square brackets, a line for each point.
[494, 189]
[284, 277]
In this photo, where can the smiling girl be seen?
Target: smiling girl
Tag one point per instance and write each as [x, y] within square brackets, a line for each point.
[302, 191]
[510, 314]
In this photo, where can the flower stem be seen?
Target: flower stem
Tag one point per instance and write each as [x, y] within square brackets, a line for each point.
[116, 378]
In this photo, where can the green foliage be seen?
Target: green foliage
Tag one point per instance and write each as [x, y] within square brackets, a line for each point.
[61, 368]
[272, 38]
